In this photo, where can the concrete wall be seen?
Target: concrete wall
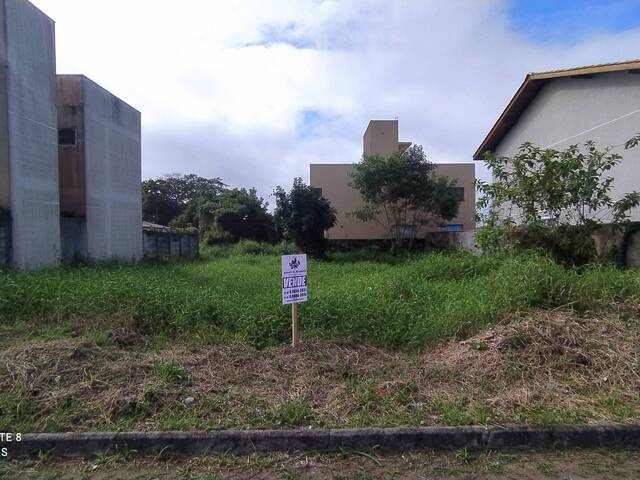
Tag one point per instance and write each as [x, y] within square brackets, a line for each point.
[5, 179]
[5, 241]
[565, 107]
[29, 64]
[110, 134]
[334, 181]
[100, 175]
[159, 244]
[381, 138]
[620, 245]
[73, 231]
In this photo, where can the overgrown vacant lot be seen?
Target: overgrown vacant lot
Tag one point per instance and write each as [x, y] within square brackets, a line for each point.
[403, 303]
[419, 340]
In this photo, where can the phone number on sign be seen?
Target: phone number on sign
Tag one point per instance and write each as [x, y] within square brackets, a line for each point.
[6, 437]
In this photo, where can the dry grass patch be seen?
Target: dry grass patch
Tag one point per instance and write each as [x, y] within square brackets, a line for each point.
[539, 367]
[545, 367]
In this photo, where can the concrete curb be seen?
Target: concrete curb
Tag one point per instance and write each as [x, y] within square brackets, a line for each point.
[388, 439]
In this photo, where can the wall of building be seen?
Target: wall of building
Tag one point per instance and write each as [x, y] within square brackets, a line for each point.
[619, 245]
[5, 183]
[5, 241]
[565, 107]
[334, 180]
[73, 231]
[32, 134]
[381, 138]
[113, 176]
[71, 158]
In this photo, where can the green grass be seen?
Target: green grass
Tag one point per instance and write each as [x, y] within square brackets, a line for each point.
[403, 302]
[170, 373]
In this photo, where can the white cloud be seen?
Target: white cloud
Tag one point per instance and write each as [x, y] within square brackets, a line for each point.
[223, 85]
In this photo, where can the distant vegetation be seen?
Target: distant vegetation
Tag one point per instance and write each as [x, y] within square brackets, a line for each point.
[222, 215]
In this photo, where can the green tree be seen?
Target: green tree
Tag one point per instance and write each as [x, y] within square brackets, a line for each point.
[159, 204]
[303, 215]
[554, 199]
[177, 199]
[239, 214]
[403, 194]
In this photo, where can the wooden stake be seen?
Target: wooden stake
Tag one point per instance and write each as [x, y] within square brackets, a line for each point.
[294, 324]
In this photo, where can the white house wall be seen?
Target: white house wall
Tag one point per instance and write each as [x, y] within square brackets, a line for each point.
[566, 107]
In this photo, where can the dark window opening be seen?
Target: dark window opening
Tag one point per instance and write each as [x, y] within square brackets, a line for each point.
[67, 136]
[458, 192]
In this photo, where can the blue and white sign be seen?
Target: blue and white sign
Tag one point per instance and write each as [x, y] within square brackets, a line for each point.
[294, 278]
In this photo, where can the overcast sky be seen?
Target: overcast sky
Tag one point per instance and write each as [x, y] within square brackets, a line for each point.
[253, 91]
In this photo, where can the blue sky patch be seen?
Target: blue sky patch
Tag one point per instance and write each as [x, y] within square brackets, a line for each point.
[569, 21]
[308, 122]
[287, 34]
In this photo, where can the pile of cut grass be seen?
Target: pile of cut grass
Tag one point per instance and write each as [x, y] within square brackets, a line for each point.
[536, 368]
[400, 302]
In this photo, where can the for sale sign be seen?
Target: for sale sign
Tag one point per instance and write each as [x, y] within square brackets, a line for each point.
[294, 279]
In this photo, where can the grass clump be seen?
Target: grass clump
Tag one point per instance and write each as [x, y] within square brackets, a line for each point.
[458, 412]
[17, 412]
[291, 413]
[170, 373]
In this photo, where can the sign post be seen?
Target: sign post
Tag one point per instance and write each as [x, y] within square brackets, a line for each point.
[294, 287]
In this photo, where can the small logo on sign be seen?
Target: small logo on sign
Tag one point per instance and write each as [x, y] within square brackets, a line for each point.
[294, 264]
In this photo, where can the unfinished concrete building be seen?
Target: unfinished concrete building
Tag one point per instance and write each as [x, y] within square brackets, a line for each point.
[29, 210]
[99, 152]
[70, 155]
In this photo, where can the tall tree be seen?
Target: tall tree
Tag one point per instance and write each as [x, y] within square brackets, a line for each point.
[303, 215]
[403, 194]
[178, 198]
[239, 214]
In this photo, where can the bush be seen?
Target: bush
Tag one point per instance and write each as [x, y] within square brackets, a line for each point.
[571, 245]
[249, 247]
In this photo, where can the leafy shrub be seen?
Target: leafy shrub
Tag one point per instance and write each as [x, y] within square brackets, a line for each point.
[249, 247]
[568, 244]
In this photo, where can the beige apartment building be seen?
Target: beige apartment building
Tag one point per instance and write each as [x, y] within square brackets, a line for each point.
[381, 138]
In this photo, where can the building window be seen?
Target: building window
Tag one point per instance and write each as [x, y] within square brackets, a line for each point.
[405, 231]
[458, 192]
[452, 227]
[67, 137]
